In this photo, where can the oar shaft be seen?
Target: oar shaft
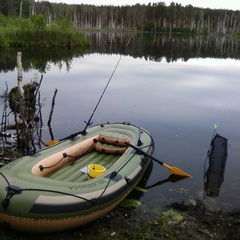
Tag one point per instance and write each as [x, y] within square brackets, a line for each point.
[173, 170]
[144, 153]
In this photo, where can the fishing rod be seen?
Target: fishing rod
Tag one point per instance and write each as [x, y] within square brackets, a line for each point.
[88, 123]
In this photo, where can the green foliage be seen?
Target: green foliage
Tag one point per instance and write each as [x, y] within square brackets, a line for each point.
[153, 17]
[64, 23]
[128, 203]
[2, 41]
[38, 21]
[30, 98]
[140, 189]
[148, 26]
[237, 35]
[34, 32]
[3, 21]
[172, 216]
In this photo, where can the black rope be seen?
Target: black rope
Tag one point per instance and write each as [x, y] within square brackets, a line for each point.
[113, 175]
[5, 178]
[11, 191]
[64, 156]
[11, 194]
[41, 167]
[64, 193]
[93, 202]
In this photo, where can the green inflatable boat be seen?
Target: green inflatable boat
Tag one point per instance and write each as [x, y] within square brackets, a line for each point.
[74, 181]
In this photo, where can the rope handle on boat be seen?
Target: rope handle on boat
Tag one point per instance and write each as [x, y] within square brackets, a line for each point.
[13, 190]
[65, 155]
[93, 201]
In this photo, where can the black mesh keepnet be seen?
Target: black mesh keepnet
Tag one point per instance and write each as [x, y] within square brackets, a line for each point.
[217, 157]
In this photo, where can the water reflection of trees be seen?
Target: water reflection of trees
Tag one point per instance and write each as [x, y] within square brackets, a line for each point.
[173, 48]
[150, 47]
[39, 59]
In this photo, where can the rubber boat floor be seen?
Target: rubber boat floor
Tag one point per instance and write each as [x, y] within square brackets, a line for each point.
[74, 172]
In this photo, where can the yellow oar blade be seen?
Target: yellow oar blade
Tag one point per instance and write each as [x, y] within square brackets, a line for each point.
[173, 170]
[176, 171]
[50, 143]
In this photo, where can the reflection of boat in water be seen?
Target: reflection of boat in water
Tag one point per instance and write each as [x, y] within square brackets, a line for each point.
[142, 184]
[59, 187]
[217, 156]
[171, 178]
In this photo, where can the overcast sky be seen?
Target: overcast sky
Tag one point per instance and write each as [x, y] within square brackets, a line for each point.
[223, 4]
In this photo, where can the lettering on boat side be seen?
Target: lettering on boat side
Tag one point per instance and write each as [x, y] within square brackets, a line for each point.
[20, 183]
[89, 185]
[12, 164]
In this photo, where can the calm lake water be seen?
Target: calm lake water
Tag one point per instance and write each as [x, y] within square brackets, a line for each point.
[177, 102]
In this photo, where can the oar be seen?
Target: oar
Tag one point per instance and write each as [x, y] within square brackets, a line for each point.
[51, 142]
[54, 141]
[173, 170]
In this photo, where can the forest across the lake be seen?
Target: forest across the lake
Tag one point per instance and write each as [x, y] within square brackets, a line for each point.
[153, 17]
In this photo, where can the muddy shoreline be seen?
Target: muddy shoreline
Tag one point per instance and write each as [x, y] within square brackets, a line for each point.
[185, 220]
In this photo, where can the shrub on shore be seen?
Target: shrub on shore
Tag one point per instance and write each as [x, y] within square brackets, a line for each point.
[35, 32]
